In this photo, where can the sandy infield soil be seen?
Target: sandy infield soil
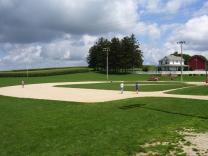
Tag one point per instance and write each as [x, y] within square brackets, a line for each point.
[198, 144]
[48, 91]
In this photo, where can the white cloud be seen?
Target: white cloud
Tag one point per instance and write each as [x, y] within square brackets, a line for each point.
[64, 30]
[194, 32]
[60, 32]
[61, 52]
[153, 5]
[89, 40]
[174, 6]
[19, 56]
[151, 54]
[151, 31]
[31, 21]
[162, 6]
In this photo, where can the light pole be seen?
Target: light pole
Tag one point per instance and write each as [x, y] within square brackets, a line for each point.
[206, 63]
[107, 52]
[27, 70]
[181, 45]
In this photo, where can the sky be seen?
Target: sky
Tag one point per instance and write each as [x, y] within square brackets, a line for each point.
[56, 33]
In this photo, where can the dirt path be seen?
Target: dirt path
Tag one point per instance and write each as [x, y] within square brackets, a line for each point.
[47, 91]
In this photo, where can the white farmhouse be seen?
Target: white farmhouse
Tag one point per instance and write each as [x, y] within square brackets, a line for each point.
[171, 63]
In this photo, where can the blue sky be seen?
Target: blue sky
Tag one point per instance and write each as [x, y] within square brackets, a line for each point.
[181, 16]
[51, 33]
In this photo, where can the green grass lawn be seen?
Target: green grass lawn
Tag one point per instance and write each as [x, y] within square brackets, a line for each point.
[129, 86]
[90, 76]
[196, 90]
[119, 128]
[195, 78]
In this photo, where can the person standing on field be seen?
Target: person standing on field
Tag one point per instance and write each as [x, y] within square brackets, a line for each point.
[23, 83]
[122, 87]
[137, 87]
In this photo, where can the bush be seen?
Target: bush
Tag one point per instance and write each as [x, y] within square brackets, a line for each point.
[147, 68]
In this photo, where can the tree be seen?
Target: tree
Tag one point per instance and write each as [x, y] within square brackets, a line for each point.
[137, 57]
[97, 57]
[186, 57]
[124, 54]
[114, 55]
[92, 57]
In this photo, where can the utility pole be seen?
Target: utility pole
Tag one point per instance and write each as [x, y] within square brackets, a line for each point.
[206, 63]
[181, 45]
[107, 52]
[27, 71]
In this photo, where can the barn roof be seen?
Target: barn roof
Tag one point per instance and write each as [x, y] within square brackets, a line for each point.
[200, 56]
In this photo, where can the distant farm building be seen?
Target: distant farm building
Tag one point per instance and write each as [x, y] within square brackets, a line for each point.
[197, 62]
[171, 63]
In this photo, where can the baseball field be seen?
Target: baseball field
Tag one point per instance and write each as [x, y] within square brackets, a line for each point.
[82, 114]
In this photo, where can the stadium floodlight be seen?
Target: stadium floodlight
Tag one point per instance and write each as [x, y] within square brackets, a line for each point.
[107, 52]
[181, 46]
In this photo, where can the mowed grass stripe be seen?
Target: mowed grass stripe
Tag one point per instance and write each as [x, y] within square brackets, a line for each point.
[129, 86]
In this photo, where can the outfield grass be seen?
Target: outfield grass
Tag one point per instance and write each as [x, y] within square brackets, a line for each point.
[89, 76]
[130, 86]
[119, 128]
[196, 90]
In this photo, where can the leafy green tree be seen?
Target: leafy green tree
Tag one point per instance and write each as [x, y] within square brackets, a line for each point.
[124, 54]
[114, 55]
[92, 58]
[97, 57]
[186, 57]
[137, 57]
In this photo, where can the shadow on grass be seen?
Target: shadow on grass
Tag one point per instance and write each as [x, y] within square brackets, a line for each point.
[160, 110]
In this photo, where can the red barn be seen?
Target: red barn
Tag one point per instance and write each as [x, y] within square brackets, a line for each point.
[197, 62]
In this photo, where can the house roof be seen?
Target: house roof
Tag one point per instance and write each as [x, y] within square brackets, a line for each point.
[172, 58]
[172, 65]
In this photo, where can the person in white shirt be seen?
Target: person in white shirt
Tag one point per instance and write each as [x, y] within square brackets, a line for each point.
[122, 87]
[23, 83]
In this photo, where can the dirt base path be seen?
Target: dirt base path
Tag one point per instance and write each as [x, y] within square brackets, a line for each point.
[48, 91]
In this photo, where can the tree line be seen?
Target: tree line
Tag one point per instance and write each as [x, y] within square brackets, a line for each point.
[186, 57]
[123, 55]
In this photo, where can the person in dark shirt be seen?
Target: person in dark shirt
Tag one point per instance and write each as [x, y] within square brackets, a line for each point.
[137, 87]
